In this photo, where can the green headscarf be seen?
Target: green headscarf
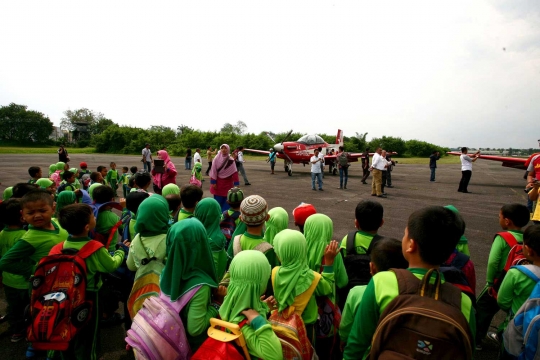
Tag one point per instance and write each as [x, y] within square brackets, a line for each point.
[279, 220]
[44, 183]
[170, 189]
[8, 193]
[63, 199]
[463, 239]
[52, 169]
[73, 170]
[153, 216]
[318, 231]
[208, 211]
[189, 262]
[249, 272]
[294, 276]
[92, 188]
[60, 166]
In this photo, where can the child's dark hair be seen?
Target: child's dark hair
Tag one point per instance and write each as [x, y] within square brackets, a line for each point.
[131, 181]
[95, 176]
[142, 179]
[133, 169]
[100, 167]
[10, 212]
[436, 231]
[21, 189]
[103, 194]
[67, 175]
[190, 195]
[73, 218]
[517, 213]
[37, 195]
[134, 200]
[369, 215]
[174, 201]
[125, 168]
[33, 170]
[531, 238]
[387, 254]
[112, 163]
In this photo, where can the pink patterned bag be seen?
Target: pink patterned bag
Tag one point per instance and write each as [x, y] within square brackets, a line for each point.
[194, 181]
[157, 331]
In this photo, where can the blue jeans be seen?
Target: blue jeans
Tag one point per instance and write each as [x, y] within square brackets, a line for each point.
[222, 200]
[147, 166]
[343, 174]
[432, 178]
[319, 180]
[187, 163]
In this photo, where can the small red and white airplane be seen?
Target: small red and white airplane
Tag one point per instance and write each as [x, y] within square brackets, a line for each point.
[300, 151]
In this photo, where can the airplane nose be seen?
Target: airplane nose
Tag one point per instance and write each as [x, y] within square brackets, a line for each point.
[278, 147]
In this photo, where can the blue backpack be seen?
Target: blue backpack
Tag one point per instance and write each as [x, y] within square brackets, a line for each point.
[521, 337]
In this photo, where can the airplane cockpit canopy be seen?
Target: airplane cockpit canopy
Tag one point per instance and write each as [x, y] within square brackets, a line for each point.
[311, 139]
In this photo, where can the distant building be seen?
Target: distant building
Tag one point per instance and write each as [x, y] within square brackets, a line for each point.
[58, 134]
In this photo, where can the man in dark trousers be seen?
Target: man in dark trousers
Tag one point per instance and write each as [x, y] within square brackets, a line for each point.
[365, 165]
[391, 164]
[433, 164]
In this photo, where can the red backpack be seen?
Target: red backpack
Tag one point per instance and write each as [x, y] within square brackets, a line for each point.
[515, 257]
[58, 305]
[225, 342]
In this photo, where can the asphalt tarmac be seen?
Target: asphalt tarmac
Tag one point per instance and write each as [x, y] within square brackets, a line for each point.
[491, 185]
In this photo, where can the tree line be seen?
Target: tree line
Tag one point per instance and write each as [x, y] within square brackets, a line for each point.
[90, 128]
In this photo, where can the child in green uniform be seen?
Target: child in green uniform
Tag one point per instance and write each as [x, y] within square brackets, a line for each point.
[143, 180]
[52, 169]
[235, 196]
[512, 218]
[15, 286]
[7, 194]
[103, 171]
[250, 272]
[106, 219]
[190, 265]
[368, 219]
[385, 255]
[35, 174]
[76, 183]
[68, 184]
[430, 237]
[84, 170]
[48, 185]
[279, 220]
[125, 180]
[190, 195]
[208, 212]
[133, 201]
[78, 220]
[516, 286]
[113, 178]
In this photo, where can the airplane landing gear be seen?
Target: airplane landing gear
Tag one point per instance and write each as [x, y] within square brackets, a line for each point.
[288, 168]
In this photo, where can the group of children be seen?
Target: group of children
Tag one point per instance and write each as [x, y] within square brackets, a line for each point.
[244, 266]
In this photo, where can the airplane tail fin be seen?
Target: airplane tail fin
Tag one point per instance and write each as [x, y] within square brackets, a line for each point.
[339, 137]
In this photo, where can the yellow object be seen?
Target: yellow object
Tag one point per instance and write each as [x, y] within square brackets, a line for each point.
[301, 301]
[223, 336]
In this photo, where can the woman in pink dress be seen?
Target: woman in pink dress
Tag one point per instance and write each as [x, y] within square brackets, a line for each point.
[168, 177]
[223, 176]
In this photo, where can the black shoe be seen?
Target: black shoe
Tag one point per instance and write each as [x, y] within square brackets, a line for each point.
[389, 186]
[345, 187]
[382, 196]
[3, 318]
[314, 189]
[373, 194]
[363, 182]
[321, 189]
[247, 184]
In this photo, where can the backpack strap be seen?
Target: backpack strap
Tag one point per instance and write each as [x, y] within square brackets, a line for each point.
[89, 248]
[183, 301]
[460, 260]
[509, 238]
[375, 239]
[351, 249]
[237, 247]
[531, 271]
[304, 297]
[263, 247]
[57, 249]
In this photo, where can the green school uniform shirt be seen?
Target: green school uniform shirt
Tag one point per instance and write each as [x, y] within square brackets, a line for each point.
[8, 237]
[183, 214]
[380, 291]
[249, 242]
[125, 178]
[362, 240]
[198, 313]
[112, 176]
[99, 262]
[498, 255]
[349, 311]
[104, 223]
[515, 290]
[33, 245]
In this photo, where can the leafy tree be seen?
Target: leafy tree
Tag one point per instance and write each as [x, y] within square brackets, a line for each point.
[20, 125]
[238, 129]
[83, 123]
[422, 148]
[389, 143]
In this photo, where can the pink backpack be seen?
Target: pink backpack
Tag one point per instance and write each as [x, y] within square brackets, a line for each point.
[56, 178]
[194, 181]
[158, 332]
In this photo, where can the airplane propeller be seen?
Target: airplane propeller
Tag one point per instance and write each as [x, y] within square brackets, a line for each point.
[286, 137]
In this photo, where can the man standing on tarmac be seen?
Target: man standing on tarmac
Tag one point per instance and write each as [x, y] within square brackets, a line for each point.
[147, 157]
[209, 156]
[316, 170]
[466, 169]
[433, 164]
[365, 165]
[377, 167]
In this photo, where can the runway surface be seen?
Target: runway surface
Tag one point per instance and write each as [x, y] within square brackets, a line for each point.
[491, 185]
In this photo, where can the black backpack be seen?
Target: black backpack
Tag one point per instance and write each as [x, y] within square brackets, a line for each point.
[453, 274]
[343, 160]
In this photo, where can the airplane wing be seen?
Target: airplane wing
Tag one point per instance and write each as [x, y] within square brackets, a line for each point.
[263, 152]
[511, 162]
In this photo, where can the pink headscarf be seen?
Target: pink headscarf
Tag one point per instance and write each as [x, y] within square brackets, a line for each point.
[223, 166]
[164, 155]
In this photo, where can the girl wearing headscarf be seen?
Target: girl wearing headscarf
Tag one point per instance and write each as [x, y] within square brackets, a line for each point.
[47, 184]
[279, 220]
[133, 202]
[197, 172]
[208, 212]
[52, 169]
[319, 230]
[250, 272]
[8, 193]
[76, 184]
[92, 188]
[63, 199]
[190, 265]
[170, 189]
[223, 176]
[293, 278]
[57, 175]
[148, 250]
[167, 177]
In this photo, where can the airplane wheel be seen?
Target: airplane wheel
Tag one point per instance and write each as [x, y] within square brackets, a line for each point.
[290, 172]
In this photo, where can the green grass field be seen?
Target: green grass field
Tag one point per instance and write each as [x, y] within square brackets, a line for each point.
[42, 150]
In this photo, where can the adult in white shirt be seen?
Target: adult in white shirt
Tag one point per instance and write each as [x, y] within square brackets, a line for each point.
[378, 164]
[147, 157]
[240, 164]
[197, 157]
[315, 161]
[384, 171]
[466, 169]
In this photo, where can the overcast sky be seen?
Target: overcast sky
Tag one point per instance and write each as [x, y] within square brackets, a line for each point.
[457, 73]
